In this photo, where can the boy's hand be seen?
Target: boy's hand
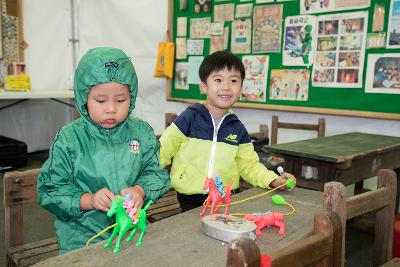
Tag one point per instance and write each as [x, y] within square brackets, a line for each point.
[102, 199]
[137, 195]
[282, 180]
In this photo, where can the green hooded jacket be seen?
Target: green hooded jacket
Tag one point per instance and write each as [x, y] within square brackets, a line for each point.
[85, 157]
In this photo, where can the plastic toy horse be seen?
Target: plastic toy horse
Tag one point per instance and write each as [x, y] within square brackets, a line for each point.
[124, 223]
[215, 198]
[262, 220]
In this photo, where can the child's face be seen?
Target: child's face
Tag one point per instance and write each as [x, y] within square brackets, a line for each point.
[223, 89]
[108, 104]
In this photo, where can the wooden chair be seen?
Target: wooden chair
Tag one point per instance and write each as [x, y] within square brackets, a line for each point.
[382, 200]
[169, 118]
[322, 248]
[260, 138]
[320, 127]
[19, 189]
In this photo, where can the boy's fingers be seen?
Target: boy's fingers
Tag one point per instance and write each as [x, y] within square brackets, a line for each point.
[109, 194]
[139, 204]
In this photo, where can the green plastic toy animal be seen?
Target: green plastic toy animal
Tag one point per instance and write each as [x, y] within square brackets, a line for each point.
[124, 223]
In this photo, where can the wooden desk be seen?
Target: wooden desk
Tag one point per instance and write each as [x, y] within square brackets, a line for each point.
[347, 158]
[178, 240]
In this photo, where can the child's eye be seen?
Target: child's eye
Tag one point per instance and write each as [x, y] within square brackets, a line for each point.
[100, 101]
[121, 100]
[234, 81]
[218, 80]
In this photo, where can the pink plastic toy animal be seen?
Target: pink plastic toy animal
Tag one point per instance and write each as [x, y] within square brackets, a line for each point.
[214, 196]
[130, 209]
[262, 220]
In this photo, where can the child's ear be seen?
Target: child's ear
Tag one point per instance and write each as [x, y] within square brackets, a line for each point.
[203, 88]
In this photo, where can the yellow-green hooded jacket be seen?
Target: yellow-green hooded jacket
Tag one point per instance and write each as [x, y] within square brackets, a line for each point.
[86, 158]
[198, 148]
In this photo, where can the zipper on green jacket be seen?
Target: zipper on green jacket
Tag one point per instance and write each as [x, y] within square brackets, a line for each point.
[113, 166]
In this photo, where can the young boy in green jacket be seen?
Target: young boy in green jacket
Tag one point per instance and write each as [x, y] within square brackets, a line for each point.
[103, 153]
[209, 139]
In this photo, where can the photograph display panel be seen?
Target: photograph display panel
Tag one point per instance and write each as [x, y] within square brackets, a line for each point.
[314, 60]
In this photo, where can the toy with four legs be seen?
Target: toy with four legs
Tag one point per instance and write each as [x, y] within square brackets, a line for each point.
[262, 220]
[125, 223]
[127, 218]
[215, 196]
[274, 218]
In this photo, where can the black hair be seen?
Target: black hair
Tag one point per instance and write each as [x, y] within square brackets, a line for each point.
[218, 61]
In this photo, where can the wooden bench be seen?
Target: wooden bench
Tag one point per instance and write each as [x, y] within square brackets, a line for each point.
[382, 200]
[165, 207]
[19, 189]
[322, 248]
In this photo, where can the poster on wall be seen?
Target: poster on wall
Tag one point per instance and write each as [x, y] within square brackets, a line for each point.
[200, 28]
[216, 44]
[299, 40]
[181, 27]
[241, 35]
[181, 51]
[289, 84]
[339, 56]
[321, 6]
[195, 47]
[193, 69]
[255, 83]
[224, 12]
[243, 11]
[181, 75]
[267, 28]
[383, 74]
[393, 34]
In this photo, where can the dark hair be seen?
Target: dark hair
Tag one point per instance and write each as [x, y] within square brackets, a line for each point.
[218, 61]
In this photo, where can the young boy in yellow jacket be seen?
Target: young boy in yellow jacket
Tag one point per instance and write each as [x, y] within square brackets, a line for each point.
[209, 139]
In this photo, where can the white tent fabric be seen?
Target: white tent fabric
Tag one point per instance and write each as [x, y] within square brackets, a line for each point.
[136, 27]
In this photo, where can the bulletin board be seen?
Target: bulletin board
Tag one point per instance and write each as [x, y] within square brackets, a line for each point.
[337, 100]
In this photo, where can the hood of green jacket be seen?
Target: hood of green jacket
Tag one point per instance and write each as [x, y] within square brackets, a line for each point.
[103, 65]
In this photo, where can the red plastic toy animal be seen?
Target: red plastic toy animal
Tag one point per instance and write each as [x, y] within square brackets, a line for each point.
[214, 196]
[262, 220]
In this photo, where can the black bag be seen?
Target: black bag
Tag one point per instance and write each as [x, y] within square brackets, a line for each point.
[13, 153]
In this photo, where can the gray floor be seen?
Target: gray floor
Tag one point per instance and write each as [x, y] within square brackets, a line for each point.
[38, 225]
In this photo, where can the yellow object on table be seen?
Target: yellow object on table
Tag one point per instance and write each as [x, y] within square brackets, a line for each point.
[19, 82]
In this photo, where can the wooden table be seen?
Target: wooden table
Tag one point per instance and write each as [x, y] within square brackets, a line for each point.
[178, 240]
[347, 158]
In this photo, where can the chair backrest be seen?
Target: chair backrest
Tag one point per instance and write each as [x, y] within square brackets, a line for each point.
[260, 138]
[382, 200]
[276, 124]
[19, 188]
[323, 247]
[169, 118]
